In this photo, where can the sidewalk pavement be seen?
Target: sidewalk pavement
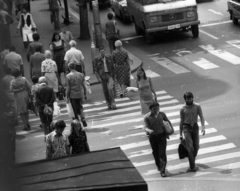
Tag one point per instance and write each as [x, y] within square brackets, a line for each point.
[41, 16]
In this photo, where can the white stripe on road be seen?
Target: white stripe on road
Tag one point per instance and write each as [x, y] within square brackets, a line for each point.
[222, 54]
[213, 24]
[170, 65]
[205, 64]
[208, 34]
[203, 161]
[151, 74]
[200, 152]
[235, 43]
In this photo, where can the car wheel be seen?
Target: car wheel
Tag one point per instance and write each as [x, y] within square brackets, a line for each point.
[149, 37]
[235, 20]
[138, 30]
[195, 31]
[122, 17]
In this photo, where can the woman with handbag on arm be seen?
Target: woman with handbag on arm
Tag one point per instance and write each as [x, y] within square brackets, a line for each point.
[145, 88]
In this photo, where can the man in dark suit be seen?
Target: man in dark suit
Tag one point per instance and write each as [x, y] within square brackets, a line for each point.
[45, 96]
[104, 71]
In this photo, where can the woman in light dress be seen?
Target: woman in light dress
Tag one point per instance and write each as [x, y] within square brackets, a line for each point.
[145, 88]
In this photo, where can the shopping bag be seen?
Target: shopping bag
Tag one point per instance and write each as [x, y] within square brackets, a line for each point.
[168, 128]
[70, 110]
[56, 109]
[63, 79]
[132, 93]
[87, 84]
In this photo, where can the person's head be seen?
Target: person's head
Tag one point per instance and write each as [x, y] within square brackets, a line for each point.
[7, 70]
[35, 79]
[118, 44]
[64, 30]
[16, 73]
[12, 48]
[188, 97]
[72, 43]
[141, 74]
[102, 51]
[154, 107]
[110, 16]
[56, 37]
[71, 66]
[60, 126]
[76, 126]
[42, 80]
[24, 9]
[47, 54]
[36, 37]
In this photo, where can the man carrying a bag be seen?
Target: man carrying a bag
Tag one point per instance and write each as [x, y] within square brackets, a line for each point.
[188, 125]
[157, 135]
[45, 98]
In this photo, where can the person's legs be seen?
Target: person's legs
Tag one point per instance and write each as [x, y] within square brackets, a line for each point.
[162, 146]
[105, 92]
[75, 105]
[111, 45]
[22, 115]
[195, 137]
[111, 92]
[82, 115]
[155, 151]
[57, 19]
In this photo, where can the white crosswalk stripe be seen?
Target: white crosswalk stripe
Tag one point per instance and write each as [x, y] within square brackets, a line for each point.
[215, 150]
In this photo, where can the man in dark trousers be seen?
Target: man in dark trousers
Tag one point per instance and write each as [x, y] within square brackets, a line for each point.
[45, 96]
[104, 71]
[157, 136]
[189, 126]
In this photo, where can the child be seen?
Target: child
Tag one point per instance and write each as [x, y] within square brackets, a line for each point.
[33, 92]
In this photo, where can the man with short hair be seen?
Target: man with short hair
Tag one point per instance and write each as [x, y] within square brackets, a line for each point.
[75, 56]
[13, 60]
[157, 136]
[76, 92]
[189, 126]
[104, 70]
[111, 32]
[66, 36]
[54, 8]
[57, 142]
[44, 96]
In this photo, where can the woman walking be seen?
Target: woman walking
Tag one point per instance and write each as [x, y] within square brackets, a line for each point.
[78, 138]
[27, 25]
[122, 67]
[22, 91]
[50, 71]
[145, 89]
[58, 52]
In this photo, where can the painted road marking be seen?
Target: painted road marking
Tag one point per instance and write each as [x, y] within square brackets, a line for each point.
[235, 43]
[222, 54]
[213, 24]
[205, 64]
[151, 74]
[215, 12]
[208, 34]
[170, 65]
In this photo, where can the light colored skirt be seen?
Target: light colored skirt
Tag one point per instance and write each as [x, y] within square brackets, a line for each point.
[52, 81]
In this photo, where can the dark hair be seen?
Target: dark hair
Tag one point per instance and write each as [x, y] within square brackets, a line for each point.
[101, 48]
[55, 34]
[16, 73]
[74, 123]
[71, 65]
[60, 124]
[35, 79]
[153, 104]
[12, 48]
[144, 74]
[188, 95]
[110, 16]
[7, 70]
[36, 37]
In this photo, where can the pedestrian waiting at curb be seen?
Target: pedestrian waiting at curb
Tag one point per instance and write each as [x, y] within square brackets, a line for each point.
[75, 56]
[57, 142]
[45, 98]
[78, 138]
[157, 135]
[76, 92]
[189, 127]
[145, 89]
[104, 70]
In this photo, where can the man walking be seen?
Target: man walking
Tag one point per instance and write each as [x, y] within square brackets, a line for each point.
[157, 136]
[189, 126]
[45, 96]
[104, 71]
[57, 142]
[13, 60]
[54, 8]
[76, 91]
[75, 56]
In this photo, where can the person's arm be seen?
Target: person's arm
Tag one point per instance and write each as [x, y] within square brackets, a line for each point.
[31, 66]
[96, 69]
[53, 98]
[42, 69]
[32, 22]
[38, 101]
[84, 89]
[83, 66]
[21, 66]
[152, 89]
[19, 24]
[146, 126]
[48, 148]
[28, 53]
[51, 49]
[202, 119]
[181, 122]
[71, 36]
[67, 146]
[68, 89]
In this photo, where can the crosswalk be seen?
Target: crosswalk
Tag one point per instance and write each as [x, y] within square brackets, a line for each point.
[216, 152]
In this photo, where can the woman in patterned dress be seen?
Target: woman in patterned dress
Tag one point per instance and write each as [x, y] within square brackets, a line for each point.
[78, 138]
[122, 67]
[57, 48]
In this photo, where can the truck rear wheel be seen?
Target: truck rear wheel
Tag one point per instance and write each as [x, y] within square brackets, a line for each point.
[150, 37]
[138, 30]
[195, 31]
[235, 20]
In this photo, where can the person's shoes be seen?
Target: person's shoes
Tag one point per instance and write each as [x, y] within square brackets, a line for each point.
[114, 107]
[84, 123]
[109, 107]
[26, 128]
[195, 169]
[121, 95]
[163, 174]
[158, 168]
[40, 126]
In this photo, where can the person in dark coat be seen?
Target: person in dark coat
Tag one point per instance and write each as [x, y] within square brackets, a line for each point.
[33, 46]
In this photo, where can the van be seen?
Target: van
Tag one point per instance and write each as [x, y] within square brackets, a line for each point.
[233, 9]
[153, 16]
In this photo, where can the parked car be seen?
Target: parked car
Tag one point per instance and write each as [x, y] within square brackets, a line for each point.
[120, 9]
[234, 11]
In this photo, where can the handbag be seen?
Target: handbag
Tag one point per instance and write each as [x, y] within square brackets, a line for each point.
[70, 110]
[56, 109]
[182, 149]
[47, 110]
[168, 128]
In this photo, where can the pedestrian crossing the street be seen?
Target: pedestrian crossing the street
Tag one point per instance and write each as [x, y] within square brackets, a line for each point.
[216, 153]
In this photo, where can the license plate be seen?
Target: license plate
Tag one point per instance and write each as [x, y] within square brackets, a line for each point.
[174, 27]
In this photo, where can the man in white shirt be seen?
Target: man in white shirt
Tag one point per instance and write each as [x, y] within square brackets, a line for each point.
[66, 36]
[75, 56]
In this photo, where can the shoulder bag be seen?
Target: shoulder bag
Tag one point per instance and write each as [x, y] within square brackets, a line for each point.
[167, 127]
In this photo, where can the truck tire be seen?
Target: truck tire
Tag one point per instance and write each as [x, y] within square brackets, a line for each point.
[195, 31]
[138, 30]
[123, 18]
[235, 20]
[150, 37]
